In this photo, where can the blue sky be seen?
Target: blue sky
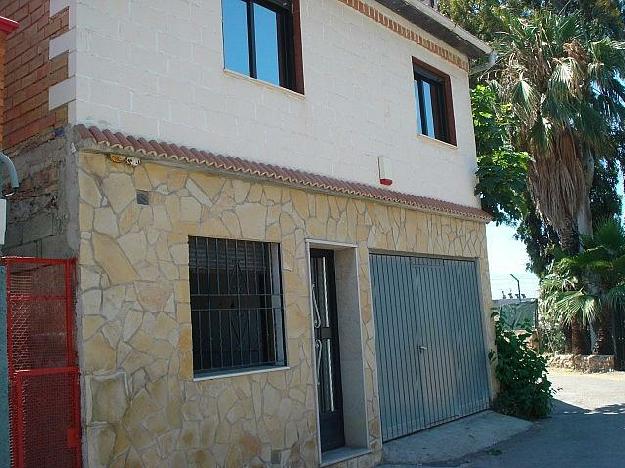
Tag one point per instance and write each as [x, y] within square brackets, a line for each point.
[507, 255]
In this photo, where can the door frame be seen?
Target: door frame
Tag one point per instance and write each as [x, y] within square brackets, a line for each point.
[486, 323]
[328, 256]
[312, 244]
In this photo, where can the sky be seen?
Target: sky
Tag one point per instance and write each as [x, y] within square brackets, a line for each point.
[506, 256]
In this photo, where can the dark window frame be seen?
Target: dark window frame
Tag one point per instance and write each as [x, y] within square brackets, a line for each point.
[444, 119]
[290, 62]
[237, 306]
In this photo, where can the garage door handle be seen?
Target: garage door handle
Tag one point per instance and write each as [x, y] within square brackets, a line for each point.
[422, 348]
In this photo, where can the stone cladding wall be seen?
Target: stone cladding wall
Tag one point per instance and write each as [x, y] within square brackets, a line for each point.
[141, 404]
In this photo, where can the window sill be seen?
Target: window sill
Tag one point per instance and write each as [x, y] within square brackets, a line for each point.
[264, 84]
[426, 138]
[226, 375]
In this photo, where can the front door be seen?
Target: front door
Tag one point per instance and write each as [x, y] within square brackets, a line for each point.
[327, 349]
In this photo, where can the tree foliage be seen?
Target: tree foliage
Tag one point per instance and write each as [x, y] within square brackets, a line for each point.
[502, 171]
[565, 93]
[560, 71]
[486, 18]
[590, 286]
[540, 239]
[525, 390]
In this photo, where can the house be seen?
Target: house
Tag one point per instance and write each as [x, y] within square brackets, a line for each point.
[280, 257]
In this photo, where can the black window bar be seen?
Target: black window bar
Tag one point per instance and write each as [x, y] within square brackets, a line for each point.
[236, 305]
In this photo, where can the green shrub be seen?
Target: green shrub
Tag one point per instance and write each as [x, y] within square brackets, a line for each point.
[524, 391]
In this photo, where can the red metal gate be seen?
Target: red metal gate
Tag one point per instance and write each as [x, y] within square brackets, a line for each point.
[43, 373]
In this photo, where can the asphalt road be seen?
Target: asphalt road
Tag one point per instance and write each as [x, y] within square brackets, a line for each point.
[585, 430]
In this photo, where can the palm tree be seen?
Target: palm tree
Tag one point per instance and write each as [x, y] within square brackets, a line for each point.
[590, 286]
[567, 96]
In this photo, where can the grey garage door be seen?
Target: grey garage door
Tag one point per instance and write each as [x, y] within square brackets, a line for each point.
[431, 356]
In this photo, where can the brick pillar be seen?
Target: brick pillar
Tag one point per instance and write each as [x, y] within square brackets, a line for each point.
[7, 26]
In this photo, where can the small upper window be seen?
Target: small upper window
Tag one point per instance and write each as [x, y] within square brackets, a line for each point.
[259, 40]
[434, 107]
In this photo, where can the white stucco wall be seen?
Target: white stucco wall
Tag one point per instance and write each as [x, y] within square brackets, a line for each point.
[155, 69]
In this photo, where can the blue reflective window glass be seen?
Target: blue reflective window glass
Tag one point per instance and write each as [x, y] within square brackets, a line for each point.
[267, 48]
[428, 110]
[431, 110]
[235, 32]
[417, 93]
[258, 40]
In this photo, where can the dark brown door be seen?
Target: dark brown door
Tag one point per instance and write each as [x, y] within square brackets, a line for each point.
[327, 349]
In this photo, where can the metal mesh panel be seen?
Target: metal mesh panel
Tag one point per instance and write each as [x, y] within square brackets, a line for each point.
[37, 279]
[39, 334]
[45, 392]
[45, 433]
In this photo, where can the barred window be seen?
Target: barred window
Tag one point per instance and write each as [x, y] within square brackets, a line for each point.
[236, 305]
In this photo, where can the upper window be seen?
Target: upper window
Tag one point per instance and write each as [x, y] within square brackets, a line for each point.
[434, 109]
[236, 305]
[259, 40]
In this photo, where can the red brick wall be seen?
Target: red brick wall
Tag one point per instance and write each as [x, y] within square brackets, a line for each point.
[28, 73]
[2, 57]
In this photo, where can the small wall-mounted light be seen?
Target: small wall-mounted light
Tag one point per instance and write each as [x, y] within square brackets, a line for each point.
[130, 160]
[385, 170]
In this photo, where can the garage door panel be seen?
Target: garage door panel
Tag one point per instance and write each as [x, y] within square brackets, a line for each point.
[467, 377]
[429, 342]
[436, 355]
[400, 405]
[476, 337]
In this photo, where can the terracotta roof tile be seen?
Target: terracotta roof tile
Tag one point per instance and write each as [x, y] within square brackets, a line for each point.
[110, 140]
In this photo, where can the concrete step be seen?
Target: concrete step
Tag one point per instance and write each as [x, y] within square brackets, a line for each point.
[452, 441]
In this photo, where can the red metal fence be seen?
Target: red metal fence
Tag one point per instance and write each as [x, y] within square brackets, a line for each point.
[44, 396]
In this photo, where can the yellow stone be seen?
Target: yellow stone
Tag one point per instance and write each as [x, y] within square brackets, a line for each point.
[85, 216]
[110, 257]
[253, 219]
[105, 222]
[134, 246]
[98, 354]
[109, 397]
[176, 180]
[130, 217]
[89, 191]
[94, 163]
[152, 296]
[119, 190]
[90, 325]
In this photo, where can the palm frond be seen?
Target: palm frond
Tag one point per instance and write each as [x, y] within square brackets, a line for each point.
[577, 304]
[523, 97]
[611, 235]
[615, 297]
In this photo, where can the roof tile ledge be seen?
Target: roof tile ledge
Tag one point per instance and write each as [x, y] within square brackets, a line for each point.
[115, 142]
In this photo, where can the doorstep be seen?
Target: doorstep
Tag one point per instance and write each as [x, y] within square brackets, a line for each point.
[332, 457]
[453, 440]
